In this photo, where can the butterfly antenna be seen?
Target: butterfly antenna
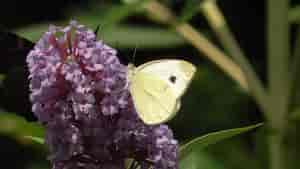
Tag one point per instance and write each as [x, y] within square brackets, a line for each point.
[134, 54]
[97, 30]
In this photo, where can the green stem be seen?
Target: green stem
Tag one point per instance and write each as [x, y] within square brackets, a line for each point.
[278, 54]
[276, 150]
[218, 23]
[213, 53]
[279, 78]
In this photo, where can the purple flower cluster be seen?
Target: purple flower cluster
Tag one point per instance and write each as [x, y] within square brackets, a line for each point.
[79, 92]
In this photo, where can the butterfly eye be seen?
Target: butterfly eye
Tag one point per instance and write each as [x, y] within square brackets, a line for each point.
[172, 79]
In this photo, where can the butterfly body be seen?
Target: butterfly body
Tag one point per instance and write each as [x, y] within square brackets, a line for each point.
[156, 88]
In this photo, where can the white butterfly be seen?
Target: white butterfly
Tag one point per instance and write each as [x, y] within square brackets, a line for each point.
[157, 86]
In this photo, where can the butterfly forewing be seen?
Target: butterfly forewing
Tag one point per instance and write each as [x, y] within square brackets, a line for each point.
[176, 73]
[156, 88]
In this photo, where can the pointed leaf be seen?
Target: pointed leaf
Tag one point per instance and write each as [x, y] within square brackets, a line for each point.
[142, 37]
[36, 139]
[212, 138]
[16, 126]
[122, 36]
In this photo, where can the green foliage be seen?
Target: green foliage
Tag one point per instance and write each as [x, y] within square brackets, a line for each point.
[142, 37]
[190, 9]
[120, 36]
[17, 127]
[199, 160]
[38, 140]
[212, 138]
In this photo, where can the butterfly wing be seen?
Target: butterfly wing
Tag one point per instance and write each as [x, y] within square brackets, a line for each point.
[157, 86]
[153, 98]
[177, 73]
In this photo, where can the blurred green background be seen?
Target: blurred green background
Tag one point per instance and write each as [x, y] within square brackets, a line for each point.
[213, 102]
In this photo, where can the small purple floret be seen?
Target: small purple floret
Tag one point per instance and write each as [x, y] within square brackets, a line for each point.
[80, 94]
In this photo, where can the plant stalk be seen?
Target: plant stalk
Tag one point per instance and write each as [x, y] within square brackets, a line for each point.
[162, 14]
[219, 25]
[279, 78]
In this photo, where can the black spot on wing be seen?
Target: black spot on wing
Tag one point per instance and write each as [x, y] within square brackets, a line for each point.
[173, 79]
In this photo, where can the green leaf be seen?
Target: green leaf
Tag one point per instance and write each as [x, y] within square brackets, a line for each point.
[36, 139]
[121, 36]
[212, 138]
[16, 126]
[199, 160]
[190, 9]
[128, 163]
[33, 32]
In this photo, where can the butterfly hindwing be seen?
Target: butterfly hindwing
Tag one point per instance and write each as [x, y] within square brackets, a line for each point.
[153, 98]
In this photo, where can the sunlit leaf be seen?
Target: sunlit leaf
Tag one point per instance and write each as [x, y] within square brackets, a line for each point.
[33, 32]
[212, 138]
[16, 126]
[121, 36]
[128, 163]
[130, 1]
[39, 140]
[141, 37]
